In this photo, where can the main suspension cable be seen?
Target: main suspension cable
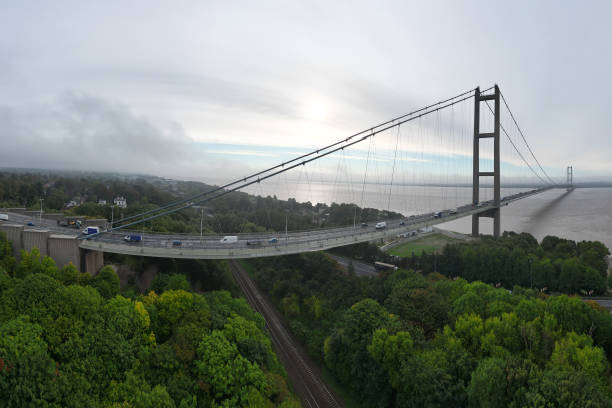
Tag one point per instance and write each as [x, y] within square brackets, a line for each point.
[282, 165]
[523, 136]
[348, 143]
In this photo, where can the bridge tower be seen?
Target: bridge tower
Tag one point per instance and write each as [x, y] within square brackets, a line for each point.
[495, 212]
[570, 178]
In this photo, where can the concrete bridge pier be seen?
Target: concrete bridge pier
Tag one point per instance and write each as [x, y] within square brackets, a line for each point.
[64, 249]
[35, 238]
[13, 233]
[92, 261]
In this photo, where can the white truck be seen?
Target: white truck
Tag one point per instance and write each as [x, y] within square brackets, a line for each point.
[381, 225]
[228, 239]
[3, 217]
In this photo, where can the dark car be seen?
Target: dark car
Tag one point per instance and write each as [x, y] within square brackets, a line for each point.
[364, 225]
[254, 243]
[30, 223]
[177, 243]
[402, 222]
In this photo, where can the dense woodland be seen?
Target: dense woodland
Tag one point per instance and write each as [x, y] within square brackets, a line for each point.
[69, 340]
[408, 339]
[554, 265]
[235, 212]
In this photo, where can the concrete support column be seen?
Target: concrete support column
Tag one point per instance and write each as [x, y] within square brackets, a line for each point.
[94, 261]
[496, 222]
[13, 233]
[65, 249]
[475, 225]
[35, 238]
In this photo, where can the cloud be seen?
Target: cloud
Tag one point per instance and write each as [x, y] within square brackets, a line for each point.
[84, 132]
[242, 153]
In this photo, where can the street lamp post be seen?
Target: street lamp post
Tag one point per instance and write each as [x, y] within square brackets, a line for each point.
[286, 236]
[201, 223]
[112, 215]
[40, 215]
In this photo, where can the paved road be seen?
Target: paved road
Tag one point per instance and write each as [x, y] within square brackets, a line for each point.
[303, 374]
[607, 303]
[264, 239]
[43, 223]
[360, 268]
[267, 244]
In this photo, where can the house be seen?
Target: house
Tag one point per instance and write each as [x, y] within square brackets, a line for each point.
[120, 202]
[102, 202]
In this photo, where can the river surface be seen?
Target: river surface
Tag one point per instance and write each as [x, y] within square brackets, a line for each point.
[582, 214]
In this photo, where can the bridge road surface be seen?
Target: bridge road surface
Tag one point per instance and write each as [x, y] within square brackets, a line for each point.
[274, 244]
[303, 373]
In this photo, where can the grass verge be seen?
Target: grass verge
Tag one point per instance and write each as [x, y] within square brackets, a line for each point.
[427, 244]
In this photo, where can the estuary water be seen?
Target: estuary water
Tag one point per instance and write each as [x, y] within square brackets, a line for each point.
[582, 214]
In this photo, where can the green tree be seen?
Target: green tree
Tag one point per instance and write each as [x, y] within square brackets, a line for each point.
[107, 282]
[136, 392]
[232, 379]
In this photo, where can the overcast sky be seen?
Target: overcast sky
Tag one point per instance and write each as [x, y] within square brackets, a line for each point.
[210, 90]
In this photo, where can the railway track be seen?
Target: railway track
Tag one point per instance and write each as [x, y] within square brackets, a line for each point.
[303, 374]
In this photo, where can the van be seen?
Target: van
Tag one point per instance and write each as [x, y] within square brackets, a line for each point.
[91, 230]
[3, 217]
[381, 225]
[228, 239]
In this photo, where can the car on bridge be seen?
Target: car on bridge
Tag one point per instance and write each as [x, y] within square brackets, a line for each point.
[30, 224]
[228, 239]
[364, 225]
[402, 222]
[254, 243]
[177, 243]
[438, 214]
[3, 217]
[273, 240]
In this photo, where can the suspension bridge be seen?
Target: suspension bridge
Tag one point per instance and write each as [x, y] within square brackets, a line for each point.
[485, 130]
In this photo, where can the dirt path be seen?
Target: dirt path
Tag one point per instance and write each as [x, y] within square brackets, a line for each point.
[303, 374]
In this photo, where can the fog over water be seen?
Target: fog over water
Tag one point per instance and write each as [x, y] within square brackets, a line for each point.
[583, 214]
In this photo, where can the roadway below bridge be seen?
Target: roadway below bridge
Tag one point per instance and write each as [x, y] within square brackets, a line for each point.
[268, 244]
[359, 268]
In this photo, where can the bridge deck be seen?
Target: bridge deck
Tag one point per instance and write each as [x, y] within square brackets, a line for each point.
[260, 245]
[210, 247]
